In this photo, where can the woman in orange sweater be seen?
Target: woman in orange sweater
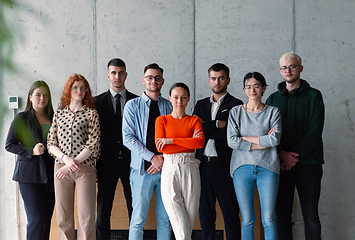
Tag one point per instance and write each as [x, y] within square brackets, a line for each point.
[177, 136]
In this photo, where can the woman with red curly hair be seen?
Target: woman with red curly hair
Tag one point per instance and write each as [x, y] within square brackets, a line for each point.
[74, 141]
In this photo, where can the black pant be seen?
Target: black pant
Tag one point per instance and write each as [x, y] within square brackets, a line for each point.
[107, 181]
[216, 183]
[307, 180]
[39, 204]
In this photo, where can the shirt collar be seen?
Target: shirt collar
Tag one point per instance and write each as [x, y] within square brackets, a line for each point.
[219, 100]
[67, 109]
[147, 100]
[122, 93]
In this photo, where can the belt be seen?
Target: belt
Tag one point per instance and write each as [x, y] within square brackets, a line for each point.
[209, 159]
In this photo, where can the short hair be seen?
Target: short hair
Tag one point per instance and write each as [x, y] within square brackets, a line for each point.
[88, 100]
[153, 66]
[291, 55]
[258, 76]
[219, 67]
[117, 63]
[49, 108]
[182, 85]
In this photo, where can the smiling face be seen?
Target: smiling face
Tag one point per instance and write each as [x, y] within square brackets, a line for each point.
[78, 91]
[153, 80]
[117, 77]
[179, 98]
[290, 76]
[254, 89]
[39, 98]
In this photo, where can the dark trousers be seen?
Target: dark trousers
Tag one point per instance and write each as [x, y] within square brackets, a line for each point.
[307, 180]
[107, 182]
[216, 182]
[39, 204]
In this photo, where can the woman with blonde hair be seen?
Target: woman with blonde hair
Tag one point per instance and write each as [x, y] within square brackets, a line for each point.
[74, 140]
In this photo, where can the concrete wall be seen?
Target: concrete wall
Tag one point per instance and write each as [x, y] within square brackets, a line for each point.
[54, 39]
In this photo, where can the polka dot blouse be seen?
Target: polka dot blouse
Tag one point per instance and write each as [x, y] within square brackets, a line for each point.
[71, 132]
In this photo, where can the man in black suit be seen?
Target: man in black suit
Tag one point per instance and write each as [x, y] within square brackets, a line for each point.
[216, 181]
[114, 162]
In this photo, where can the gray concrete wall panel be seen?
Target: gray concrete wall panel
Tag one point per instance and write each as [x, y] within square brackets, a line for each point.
[54, 39]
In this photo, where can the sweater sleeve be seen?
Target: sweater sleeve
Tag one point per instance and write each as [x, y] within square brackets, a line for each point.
[272, 140]
[190, 142]
[233, 134]
[314, 135]
[166, 129]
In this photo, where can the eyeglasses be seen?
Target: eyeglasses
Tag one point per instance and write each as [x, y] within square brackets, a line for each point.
[291, 68]
[82, 89]
[157, 78]
[256, 87]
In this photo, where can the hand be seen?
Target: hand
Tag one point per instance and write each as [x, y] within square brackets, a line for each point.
[161, 142]
[62, 172]
[221, 124]
[289, 160]
[38, 149]
[71, 163]
[197, 133]
[157, 161]
[152, 170]
[272, 130]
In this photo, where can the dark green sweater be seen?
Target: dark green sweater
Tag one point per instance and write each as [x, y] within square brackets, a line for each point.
[302, 122]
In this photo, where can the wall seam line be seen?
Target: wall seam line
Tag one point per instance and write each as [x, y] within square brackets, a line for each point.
[94, 70]
[294, 26]
[194, 50]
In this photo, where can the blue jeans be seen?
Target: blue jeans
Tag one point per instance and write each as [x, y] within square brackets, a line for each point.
[307, 180]
[244, 179]
[142, 187]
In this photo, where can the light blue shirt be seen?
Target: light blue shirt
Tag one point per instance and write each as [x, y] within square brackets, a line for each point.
[135, 125]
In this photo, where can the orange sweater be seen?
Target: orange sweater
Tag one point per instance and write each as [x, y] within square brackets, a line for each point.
[181, 132]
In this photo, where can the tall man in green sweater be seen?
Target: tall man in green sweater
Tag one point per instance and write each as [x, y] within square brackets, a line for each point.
[300, 150]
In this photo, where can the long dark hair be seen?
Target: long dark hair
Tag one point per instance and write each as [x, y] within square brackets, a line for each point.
[49, 108]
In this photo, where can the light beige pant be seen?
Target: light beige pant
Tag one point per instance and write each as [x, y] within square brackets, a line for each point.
[180, 190]
[85, 182]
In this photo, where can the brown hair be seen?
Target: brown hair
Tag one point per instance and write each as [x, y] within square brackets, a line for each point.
[49, 108]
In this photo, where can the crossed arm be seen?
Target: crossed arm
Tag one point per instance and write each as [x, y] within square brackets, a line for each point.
[255, 141]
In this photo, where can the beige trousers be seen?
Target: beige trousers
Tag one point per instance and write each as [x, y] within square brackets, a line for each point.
[180, 190]
[85, 182]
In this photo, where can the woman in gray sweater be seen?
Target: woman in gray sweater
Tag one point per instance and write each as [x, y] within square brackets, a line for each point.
[253, 132]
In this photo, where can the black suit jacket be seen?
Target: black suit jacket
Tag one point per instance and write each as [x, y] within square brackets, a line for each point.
[25, 132]
[111, 132]
[203, 110]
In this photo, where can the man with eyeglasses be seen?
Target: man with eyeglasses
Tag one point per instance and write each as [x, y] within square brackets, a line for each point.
[115, 159]
[138, 135]
[300, 150]
[215, 156]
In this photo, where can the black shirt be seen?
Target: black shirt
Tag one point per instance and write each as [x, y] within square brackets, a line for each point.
[153, 114]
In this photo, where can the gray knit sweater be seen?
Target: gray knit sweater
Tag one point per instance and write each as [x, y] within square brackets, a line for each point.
[243, 123]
